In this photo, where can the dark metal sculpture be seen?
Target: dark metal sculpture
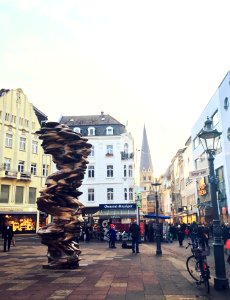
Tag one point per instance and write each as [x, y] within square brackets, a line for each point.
[60, 197]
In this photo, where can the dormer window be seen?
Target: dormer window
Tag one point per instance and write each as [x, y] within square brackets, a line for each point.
[109, 130]
[77, 129]
[91, 131]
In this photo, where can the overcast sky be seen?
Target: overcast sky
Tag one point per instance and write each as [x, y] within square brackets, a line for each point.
[156, 63]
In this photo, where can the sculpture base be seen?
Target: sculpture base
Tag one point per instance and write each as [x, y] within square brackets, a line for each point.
[221, 284]
[61, 266]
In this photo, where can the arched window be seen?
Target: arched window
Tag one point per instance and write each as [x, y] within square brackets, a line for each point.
[226, 103]
[109, 130]
[92, 153]
[77, 129]
[91, 131]
[126, 148]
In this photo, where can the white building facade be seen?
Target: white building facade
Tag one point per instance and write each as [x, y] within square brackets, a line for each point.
[108, 186]
[219, 112]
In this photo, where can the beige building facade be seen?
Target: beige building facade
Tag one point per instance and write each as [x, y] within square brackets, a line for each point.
[23, 164]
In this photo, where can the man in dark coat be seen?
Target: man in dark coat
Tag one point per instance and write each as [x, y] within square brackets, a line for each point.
[7, 235]
[134, 230]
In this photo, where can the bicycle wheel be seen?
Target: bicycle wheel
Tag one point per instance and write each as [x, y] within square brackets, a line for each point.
[193, 267]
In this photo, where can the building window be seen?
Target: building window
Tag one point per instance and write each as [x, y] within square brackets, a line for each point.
[7, 162]
[21, 166]
[109, 171]
[130, 171]
[109, 149]
[110, 194]
[33, 169]
[92, 153]
[125, 193]
[34, 147]
[19, 194]
[5, 192]
[109, 131]
[226, 103]
[196, 142]
[144, 178]
[126, 148]
[125, 171]
[22, 145]
[90, 194]
[9, 140]
[45, 169]
[215, 119]
[91, 171]
[32, 195]
[130, 193]
[91, 131]
[77, 129]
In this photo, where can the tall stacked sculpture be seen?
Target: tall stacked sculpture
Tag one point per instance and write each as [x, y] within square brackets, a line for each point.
[60, 197]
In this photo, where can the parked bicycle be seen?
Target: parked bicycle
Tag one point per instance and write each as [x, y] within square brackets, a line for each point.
[197, 265]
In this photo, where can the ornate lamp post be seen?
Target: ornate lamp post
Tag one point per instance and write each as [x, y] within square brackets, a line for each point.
[209, 138]
[158, 231]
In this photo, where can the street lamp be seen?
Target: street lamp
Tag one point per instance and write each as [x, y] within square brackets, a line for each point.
[209, 138]
[158, 231]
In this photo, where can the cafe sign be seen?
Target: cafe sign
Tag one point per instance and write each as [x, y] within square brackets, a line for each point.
[117, 206]
[202, 187]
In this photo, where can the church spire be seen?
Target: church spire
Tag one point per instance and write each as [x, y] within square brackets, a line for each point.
[146, 161]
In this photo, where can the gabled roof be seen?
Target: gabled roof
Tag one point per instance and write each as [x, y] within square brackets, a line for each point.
[89, 120]
[2, 91]
[41, 117]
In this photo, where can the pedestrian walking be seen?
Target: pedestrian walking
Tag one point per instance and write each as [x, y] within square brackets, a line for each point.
[88, 231]
[180, 235]
[112, 236]
[134, 230]
[7, 235]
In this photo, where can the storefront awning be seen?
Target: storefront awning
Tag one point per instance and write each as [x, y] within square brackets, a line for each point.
[153, 216]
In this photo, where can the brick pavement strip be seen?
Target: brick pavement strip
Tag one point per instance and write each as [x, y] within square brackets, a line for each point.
[111, 274]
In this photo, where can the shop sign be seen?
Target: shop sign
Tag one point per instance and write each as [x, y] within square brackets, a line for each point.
[117, 206]
[202, 188]
[11, 209]
[199, 173]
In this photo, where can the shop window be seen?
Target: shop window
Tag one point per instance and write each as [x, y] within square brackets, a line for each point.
[33, 169]
[109, 171]
[110, 194]
[5, 192]
[130, 171]
[24, 223]
[19, 194]
[22, 145]
[34, 147]
[91, 171]
[9, 140]
[125, 194]
[32, 195]
[130, 193]
[90, 194]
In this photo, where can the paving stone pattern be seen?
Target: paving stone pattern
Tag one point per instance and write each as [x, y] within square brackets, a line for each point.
[103, 274]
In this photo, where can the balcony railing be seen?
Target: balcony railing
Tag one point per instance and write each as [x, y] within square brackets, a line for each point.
[10, 173]
[125, 156]
[25, 176]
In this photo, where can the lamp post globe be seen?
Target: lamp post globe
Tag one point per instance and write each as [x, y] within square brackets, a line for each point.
[209, 138]
[156, 186]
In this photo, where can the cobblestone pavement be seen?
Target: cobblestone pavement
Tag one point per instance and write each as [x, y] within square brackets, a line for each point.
[176, 251]
[103, 274]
